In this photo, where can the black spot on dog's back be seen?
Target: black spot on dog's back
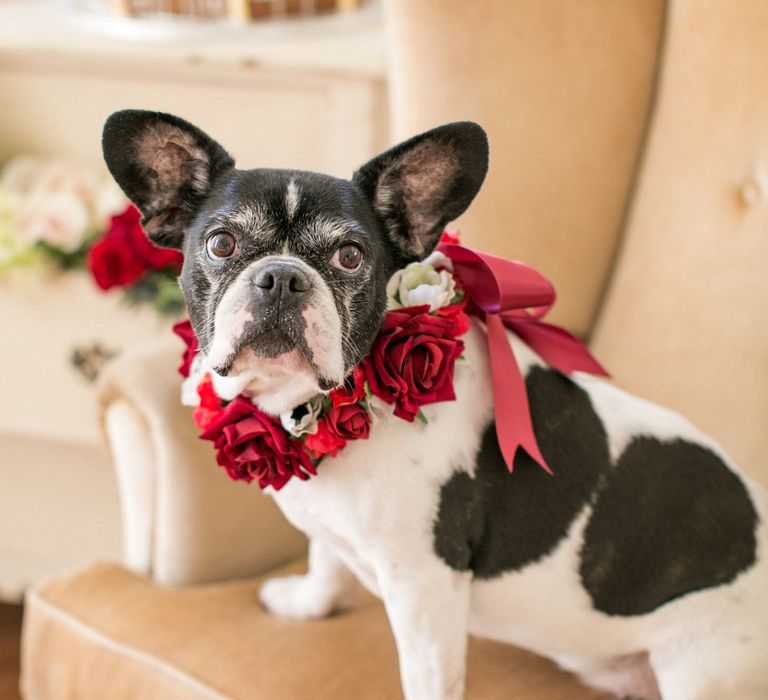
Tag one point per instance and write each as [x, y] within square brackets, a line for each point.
[497, 521]
[671, 519]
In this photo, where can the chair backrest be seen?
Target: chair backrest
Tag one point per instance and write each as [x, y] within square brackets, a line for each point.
[685, 320]
[564, 90]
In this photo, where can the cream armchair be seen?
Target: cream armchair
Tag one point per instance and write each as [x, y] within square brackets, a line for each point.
[183, 521]
[631, 170]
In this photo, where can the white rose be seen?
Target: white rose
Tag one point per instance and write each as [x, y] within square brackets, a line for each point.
[59, 219]
[438, 260]
[420, 284]
[302, 420]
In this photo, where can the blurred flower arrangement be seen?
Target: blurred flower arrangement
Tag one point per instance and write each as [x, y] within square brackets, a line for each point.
[54, 217]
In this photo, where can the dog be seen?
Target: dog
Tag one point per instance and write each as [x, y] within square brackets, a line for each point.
[641, 565]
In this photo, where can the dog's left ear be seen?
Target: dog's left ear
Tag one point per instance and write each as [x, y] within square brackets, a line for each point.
[422, 184]
[165, 165]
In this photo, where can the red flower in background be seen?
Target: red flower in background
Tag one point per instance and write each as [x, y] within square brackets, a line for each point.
[251, 445]
[124, 253]
[113, 263]
[411, 362]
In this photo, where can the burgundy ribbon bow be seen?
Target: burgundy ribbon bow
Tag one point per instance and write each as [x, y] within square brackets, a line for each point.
[509, 293]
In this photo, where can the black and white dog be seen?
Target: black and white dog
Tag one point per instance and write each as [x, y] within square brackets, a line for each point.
[642, 565]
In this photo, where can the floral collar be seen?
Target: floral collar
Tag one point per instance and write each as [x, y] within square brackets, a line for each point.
[410, 365]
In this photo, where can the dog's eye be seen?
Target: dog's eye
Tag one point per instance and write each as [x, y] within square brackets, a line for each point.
[348, 257]
[221, 245]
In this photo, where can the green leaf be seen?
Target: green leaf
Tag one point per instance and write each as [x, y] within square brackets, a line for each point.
[420, 415]
[159, 288]
[65, 259]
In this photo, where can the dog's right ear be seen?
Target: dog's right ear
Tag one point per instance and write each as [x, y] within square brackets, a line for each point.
[165, 165]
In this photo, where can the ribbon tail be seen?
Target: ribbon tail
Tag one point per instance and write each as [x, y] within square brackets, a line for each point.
[510, 398]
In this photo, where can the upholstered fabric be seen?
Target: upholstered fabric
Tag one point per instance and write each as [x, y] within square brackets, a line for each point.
[107, 633]
[184, 521]
[684, 322]
[564, 90]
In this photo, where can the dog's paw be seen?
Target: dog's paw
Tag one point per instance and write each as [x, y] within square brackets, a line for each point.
[295, 597]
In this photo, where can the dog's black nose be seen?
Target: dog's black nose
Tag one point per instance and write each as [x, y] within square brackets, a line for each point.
[281, 281]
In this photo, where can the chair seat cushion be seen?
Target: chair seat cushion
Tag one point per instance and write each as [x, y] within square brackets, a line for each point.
[107, 633]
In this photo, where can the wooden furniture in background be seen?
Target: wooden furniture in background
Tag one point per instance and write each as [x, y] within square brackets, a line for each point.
[241, 10]
[10, 630]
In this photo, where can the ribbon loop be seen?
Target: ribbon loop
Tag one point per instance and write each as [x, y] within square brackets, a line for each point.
[509, 294]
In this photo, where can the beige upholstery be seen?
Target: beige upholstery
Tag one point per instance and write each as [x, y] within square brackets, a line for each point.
[564, 90]
[107, 634]
[685, 319]
[184, 521]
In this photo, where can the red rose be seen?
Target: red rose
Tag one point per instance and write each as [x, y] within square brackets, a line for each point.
[349, 422]
[210, 406]
[124, 253]
[342, 422]
[127, 227]
[351, 391]
[183, 329]
[411, 362]
[324, 441]
[113, 263]
[451, 237]
[455, 313]
[253, 445]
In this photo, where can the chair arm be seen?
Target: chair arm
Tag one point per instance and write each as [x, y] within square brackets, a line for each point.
[183, 520]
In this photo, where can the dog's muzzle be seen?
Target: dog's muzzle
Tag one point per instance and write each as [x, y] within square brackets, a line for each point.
[278, 307]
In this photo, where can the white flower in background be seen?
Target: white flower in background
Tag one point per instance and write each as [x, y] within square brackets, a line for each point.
[59, 219]
[58, 203]
[419, 283]
[108, 202]
[302, 420]
[20, 174]
[59, 176]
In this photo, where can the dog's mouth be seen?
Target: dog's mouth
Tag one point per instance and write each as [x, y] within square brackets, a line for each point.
[271, 343]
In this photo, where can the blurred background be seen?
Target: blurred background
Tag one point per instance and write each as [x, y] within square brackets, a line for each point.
[629, 163]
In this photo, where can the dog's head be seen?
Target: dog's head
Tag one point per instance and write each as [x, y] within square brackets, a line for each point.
[285, 271]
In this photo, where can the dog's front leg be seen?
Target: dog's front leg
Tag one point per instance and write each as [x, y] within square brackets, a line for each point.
[428, 607]
[314, 594]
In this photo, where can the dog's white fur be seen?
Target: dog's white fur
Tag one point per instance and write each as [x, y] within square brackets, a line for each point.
[370, 511]
[279, 383]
